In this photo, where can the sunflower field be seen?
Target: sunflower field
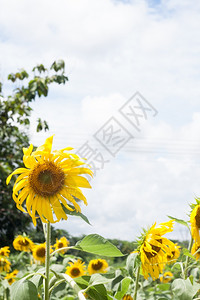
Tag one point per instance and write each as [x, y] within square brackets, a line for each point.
[48, 188]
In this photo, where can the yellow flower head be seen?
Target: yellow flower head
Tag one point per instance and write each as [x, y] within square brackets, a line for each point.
[4, 265]
[127, 297]
[196, 250]
[48, 181]
[22, 243]
[195, 223]
[62, 242]
[4, 251]
[11, 276]
[76, 269]
[175, 253]
[39, 252]
[166, 277]
[154, 249]
[97, 266]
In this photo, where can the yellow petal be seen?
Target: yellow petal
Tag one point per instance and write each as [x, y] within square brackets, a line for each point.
[17, 171]
[78, 181]
[19, 185]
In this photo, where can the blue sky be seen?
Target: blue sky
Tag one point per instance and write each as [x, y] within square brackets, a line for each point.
[111, 51]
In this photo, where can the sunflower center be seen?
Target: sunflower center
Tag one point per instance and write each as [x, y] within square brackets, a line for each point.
[46, 179]
[60, 245]
[97, 266]
[75, 272]
[23, 242]
[41, 252]
[197, 217]
[155, 248]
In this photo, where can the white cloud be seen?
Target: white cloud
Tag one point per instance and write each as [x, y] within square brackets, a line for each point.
[112, 49]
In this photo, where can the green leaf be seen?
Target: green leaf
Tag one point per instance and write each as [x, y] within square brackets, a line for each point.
[75, 213]
[180, 221]
[57, 268]
[123, 288]
[187, 253]
[184, 290]
[98, 279]
[23, 290]
[132, 262]
[96, 244]
[98, 292]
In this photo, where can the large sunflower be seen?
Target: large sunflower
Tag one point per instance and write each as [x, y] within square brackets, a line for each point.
[195, 223]
[76, 269]
[23, 243]
[97, 266]
[154, 249]
[39, 252]
[49, 179]
[62, 242]
[4, 251]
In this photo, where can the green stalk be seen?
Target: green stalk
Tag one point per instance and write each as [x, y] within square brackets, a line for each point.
[187, 258]
[47, 233]
[136, 283]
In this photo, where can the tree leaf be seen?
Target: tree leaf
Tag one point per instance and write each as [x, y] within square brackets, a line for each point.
[96, 244]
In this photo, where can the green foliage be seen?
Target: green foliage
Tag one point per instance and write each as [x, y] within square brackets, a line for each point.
[96, 244]
[15, 112]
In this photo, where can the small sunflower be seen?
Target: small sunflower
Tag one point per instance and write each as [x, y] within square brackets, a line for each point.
[127, 297]
[4, 251]
[196, 250]
[39, 252]
[175, 253]
[97, 266]
[11, 276]
[153, 249]
[62, 242]
[166, 277]
[195, 223]
[22, 243]
[49, 179]
[76, 269]
[4, 265]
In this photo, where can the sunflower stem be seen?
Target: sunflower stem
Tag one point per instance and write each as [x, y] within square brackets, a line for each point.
[136, 283]
[187, 258]
[47, 233]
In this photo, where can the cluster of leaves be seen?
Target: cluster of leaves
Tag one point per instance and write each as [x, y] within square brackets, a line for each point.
[113, 285]
[15, 111]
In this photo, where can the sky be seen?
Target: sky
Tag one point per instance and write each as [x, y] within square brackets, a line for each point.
[118, 55]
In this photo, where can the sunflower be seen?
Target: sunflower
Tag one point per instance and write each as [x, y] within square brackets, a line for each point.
[4, 265]
[127, 297]
[4, 251]
[62, 242]
[166, 277]
[11, 276]
[175, 253]
[153, 249]
[195, 223]
[22, 243]
[48, 180]
[39, 252]
[76, 269]
[97, 266]
[196, 250]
